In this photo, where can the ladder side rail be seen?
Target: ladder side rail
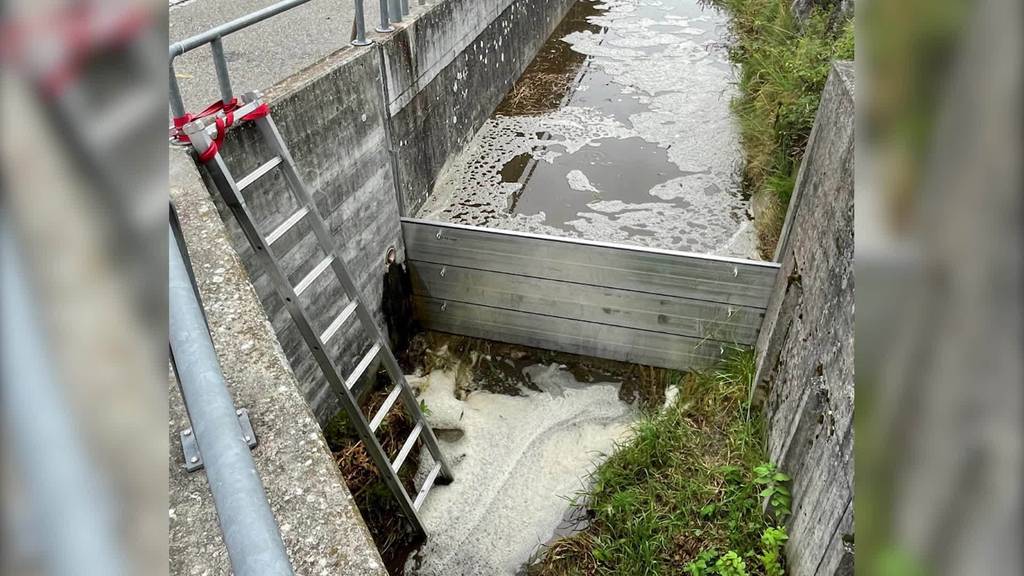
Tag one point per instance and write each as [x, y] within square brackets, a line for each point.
[273, 137]
[228, 189]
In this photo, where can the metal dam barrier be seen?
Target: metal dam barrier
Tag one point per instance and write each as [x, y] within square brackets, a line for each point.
[629, 303]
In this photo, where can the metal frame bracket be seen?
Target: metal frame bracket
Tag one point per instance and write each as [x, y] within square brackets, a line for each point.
[190, 448]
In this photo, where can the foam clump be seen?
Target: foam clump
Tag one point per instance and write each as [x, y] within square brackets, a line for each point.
[516, 462]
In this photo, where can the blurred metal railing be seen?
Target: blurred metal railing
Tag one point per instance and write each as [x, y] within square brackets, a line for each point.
[390, 11]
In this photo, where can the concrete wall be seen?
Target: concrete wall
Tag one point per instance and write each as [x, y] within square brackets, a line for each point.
[331, 116]
[805, 349]
[446, 70]
[321, 527]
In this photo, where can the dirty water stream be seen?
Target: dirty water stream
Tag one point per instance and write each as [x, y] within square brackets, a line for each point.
[619, 130]
[522, 428]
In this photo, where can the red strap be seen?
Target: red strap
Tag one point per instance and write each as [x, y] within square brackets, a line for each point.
[225, 122]
[218, 106]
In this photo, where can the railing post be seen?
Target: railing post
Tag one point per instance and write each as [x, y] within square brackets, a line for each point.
[174, 95]
[385, 22]
[360, 18]
[395, 10]
[405, 7]
[221, 66]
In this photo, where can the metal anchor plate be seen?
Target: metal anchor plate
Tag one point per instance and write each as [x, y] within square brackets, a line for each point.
[194, 460]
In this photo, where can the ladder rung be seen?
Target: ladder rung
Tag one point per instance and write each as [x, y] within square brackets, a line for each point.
[313, 275]
[407, 447]
[382, 412]
[339, 321]
[362, 366]
[258, 173]
[427, 484]
[287, 225]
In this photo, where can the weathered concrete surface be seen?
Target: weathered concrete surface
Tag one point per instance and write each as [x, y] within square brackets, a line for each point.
[447, 72]
[330, 115]
[805, 350]
[321, 527]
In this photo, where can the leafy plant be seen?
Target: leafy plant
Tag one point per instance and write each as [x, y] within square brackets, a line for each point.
[775, 491]
[700, 565]
[771, 551]
[730, 564]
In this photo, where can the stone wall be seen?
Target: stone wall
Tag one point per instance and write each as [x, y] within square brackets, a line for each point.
[445, 70]
[805, 349]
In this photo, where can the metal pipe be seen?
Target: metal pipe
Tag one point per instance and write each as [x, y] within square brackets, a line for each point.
[385, 22]
[405, 7]
[70, 513]
[360, 18]
[174, 96]
[220, 65]
[250, 532]
[395, 10]
[189, 44]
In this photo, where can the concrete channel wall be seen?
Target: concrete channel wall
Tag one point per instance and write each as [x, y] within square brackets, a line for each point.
[805, 349]
[446, 69]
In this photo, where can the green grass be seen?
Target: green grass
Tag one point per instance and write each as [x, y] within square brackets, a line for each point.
[783, 71]
[687, 488]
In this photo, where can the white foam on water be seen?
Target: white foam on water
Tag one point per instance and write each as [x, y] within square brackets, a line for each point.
[519, 460]
[678, 68]
[579, 182]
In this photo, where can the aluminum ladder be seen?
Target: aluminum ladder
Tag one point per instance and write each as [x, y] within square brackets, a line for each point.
[200, 135]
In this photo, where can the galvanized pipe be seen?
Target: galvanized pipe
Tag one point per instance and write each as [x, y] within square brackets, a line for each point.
[250, 532]
[189, 44]
[220, 65]
[70, 511]
[385, 22]
[174, 96]
[395, 10]
[405, 7]
[360, 18]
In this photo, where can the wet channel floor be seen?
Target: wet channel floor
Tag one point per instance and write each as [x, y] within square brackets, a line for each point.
[522, 428]
[619, 130]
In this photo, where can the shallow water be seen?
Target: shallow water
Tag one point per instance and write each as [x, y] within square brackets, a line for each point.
[517, 460]
[620, 130]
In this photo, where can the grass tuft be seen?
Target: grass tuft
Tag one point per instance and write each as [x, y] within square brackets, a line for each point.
[784, 65]
[686, 488]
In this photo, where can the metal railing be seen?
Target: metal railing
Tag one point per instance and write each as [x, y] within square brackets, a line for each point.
[251, 534]
[391, 11]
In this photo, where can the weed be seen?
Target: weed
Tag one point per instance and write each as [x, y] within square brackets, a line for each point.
[684, 487]
[771, 550]
[730, 564]
[774, 492]
[784, 67]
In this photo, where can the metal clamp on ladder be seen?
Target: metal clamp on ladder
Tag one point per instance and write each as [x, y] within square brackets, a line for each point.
[203, 140]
